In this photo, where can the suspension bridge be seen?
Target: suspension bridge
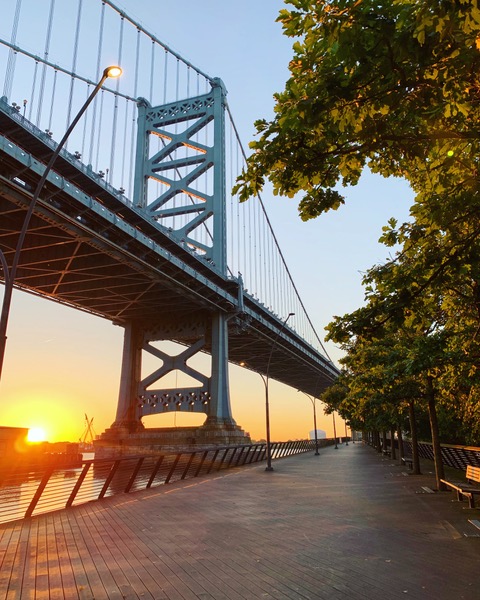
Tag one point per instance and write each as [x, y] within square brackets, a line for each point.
[136, 222]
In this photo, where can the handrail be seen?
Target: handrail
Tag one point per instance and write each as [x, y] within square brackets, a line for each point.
[28, 493]
[457, 457]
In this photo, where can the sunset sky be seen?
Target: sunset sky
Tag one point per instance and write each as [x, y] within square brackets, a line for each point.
[62, 364]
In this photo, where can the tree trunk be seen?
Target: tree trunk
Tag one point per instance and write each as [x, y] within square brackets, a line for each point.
[437, 450]
[413, 429]
[384, 440]
[393, 454]
[378, 445]
[401, 450]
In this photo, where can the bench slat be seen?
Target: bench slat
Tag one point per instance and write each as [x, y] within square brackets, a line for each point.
[464, 488]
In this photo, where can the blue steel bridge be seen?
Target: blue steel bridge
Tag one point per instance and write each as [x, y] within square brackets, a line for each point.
[136, 223]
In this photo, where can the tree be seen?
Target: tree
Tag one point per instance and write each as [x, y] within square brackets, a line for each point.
[391, 85]
[388, 84]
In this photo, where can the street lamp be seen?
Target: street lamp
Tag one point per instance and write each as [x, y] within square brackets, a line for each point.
[334, 430]
[10, 275]
[267, 410]
[312, 400]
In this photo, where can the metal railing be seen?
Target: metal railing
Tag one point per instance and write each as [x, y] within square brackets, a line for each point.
[457, 457]
[27, 493]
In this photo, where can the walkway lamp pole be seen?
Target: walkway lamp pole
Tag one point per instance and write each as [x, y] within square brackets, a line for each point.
[10, 275]
[334, 430]
[312, 400]
[267, 409]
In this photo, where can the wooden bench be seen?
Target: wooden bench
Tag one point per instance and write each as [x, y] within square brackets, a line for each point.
[408, 462]
[465, 488]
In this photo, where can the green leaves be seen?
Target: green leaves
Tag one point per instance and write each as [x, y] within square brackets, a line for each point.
[379, 84]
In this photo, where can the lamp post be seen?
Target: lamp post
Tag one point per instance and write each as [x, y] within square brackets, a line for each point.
[334, 430]
[267, 409]
[312, 400]
[10, 275]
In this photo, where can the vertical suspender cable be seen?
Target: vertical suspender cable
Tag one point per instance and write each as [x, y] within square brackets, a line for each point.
[45, 56]
[276, 286]
[53, 100]
[74, 65]
[99, 62]
[165, 77]
[237, 232]
[125, 135]
[152, 65]
[230, 185]
[135, 89]
[250, 266]
[177, 84]
[268, 267]
[12, 55]
[32, 95]
[102, 95]
[280, 289]
[115, 106]
[84, 134]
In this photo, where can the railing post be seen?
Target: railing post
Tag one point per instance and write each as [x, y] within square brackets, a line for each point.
[213, 460]
[199, 468]
[223, 458]
[109, 478]
[174, 466]
[239, 456]
[41, 486]
[78, 485]
[154, 472]
[231, 457]
[264, 451]
[246, 456]
[134, 474]
[253, 451]
[189, 463]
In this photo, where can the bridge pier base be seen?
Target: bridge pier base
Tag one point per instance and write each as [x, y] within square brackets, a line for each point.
[118, 441]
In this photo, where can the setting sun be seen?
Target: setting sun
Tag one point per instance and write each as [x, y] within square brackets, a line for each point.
[36, 434]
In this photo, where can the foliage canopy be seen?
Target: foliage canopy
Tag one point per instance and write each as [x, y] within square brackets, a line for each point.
[391, 84]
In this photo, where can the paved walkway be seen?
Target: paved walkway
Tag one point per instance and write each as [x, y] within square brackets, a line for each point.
[347, 524]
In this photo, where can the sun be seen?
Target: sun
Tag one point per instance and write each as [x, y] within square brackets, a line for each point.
[36, 434]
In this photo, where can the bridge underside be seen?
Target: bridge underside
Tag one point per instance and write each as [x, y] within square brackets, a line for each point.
[93, 251]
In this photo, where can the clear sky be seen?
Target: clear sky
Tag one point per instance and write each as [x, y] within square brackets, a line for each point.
[61, 364]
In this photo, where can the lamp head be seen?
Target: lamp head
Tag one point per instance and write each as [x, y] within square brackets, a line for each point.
[112, 71]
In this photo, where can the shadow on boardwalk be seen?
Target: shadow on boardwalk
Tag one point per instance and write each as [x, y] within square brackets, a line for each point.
[346, 524]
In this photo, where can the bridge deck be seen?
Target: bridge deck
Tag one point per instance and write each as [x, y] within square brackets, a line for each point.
[347, 524]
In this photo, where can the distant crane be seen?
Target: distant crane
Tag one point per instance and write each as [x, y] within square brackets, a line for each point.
[89, 433]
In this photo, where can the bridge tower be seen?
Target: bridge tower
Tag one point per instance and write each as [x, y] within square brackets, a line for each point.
[180, 184]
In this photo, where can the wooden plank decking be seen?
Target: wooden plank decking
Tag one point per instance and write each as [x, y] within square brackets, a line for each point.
[348, 524]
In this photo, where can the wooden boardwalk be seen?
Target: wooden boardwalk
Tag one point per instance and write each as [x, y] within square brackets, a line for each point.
[346, 524]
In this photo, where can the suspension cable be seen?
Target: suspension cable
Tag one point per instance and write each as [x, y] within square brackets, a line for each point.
[115, 106]
[95, 101]
[60, 69]
[52, 103]
[32, 95]
[74, 64]
[44, 70]
[12, 55]
[157, 41]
